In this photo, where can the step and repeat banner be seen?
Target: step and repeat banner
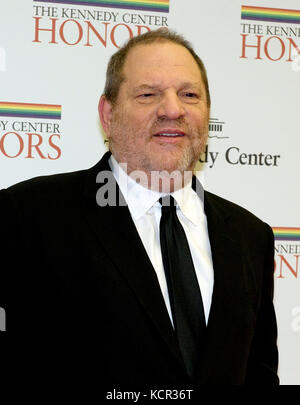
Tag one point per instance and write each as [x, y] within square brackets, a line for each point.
[53, 57]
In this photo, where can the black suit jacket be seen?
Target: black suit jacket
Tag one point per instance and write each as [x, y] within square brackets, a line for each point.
[84, 306]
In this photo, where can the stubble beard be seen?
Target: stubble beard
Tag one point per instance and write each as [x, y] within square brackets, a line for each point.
[175, 167]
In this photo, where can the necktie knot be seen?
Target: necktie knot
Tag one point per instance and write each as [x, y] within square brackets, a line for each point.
[168, 204]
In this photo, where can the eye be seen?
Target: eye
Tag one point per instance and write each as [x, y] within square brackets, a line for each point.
[146, 95]
[190, 95]
[146, 98]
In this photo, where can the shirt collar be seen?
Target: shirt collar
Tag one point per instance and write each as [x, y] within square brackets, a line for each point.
[138, 198]
[189, 203]
[141, 199]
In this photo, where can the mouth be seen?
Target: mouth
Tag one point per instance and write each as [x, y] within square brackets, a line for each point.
[169, 135]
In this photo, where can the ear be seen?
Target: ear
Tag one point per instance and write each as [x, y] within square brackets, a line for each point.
[105, 113]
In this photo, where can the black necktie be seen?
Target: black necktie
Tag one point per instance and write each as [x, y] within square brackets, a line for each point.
[184, 292]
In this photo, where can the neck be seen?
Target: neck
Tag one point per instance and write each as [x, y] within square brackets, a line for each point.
[162, 181]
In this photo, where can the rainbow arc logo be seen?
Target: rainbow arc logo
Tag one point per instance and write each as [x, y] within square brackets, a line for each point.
[150, 5]
[285, 233]
[270, 14]
[30, 110]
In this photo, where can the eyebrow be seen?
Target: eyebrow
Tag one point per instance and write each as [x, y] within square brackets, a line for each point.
[184, 85]
[146, 87]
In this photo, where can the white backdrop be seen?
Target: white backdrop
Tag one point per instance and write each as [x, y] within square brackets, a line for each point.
[55, 54]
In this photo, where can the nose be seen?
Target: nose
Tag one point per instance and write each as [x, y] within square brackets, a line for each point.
[170, 107]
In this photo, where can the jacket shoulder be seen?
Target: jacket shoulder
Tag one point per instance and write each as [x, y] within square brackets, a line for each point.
[242, 217]
[43, 189]
[68, 185]
[42, 183]
[247, 231]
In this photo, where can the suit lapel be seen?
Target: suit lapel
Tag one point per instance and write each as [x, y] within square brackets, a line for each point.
[227, 260]
[229, 285]
[118, 236]
[226, 252]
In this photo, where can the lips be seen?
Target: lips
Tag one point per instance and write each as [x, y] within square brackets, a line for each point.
[169, 133]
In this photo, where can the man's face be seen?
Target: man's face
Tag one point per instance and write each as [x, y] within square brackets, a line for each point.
[160, 119]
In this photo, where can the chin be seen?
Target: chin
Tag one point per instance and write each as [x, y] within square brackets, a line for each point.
[184, 162]
[167, 166]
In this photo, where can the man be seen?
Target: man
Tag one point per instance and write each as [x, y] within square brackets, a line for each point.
[89, 288]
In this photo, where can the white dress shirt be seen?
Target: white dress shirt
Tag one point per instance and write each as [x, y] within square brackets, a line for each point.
[145, 211]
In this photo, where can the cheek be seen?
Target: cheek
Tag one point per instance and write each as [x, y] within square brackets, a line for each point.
[133, 120]
[129, 129]
[139, 118]
[200, 121]
[139, 126]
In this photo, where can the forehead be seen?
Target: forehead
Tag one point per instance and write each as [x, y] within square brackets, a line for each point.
[160, 62]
